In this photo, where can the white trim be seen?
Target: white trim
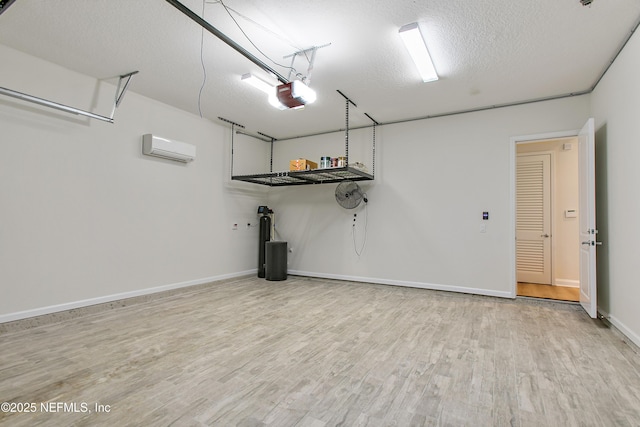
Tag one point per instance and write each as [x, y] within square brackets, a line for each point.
[539, 137]
[421, 285]
[621, 327]
[10, 317]
[513, 274]
[569, 283]
[513, 141]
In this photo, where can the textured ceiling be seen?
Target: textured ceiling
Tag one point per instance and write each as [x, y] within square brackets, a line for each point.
[486, 52]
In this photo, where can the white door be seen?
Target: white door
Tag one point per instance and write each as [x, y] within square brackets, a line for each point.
[533, 218]
[587, 217]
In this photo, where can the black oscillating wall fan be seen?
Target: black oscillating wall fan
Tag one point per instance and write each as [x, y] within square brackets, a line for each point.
[349, 195]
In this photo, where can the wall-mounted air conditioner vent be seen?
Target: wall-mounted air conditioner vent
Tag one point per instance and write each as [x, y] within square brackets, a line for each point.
[173, 150]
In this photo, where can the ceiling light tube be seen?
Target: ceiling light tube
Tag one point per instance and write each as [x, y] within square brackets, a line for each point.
[258, 83]
[414, 41]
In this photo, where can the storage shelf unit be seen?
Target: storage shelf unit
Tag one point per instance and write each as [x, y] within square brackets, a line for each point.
[315, 176]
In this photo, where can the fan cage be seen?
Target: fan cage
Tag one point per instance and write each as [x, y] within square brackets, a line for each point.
[349, 195]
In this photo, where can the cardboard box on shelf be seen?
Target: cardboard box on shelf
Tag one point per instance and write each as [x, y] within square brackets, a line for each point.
[302, 165]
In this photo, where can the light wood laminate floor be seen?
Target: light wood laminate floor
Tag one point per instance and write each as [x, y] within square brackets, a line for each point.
[312, 352]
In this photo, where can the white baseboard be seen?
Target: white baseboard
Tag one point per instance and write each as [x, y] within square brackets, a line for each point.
[635, 338]
[421, 285]
[10, 317]
[569, 283]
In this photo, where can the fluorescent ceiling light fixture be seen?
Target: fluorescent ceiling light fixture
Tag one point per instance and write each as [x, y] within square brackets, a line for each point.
[414, 41]
[258, 83]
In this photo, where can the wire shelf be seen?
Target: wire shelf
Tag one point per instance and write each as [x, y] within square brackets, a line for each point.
[306, 177]
[315, 176]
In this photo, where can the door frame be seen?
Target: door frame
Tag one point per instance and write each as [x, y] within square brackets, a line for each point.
[513, 141]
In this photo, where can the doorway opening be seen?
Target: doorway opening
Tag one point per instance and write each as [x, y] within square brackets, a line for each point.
[546, 218]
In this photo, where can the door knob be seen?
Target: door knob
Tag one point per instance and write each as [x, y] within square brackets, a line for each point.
[544, 235]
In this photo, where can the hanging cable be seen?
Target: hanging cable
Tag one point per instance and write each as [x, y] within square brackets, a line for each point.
[204, 69]
[227, 9]
[257, 24]
[353, 231]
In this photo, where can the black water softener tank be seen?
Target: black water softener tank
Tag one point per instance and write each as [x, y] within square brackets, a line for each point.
[263, 237]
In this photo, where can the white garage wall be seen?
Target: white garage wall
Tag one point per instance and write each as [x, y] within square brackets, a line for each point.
[616, 108]
[434, 178]
[85, 217]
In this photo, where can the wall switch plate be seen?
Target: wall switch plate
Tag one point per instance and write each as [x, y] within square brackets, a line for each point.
[483, 227]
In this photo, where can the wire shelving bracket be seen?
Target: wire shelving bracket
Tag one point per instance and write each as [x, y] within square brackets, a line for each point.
[314, 176]
[126, 78]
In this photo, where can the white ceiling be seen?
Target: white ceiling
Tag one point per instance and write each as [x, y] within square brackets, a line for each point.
[486, 52]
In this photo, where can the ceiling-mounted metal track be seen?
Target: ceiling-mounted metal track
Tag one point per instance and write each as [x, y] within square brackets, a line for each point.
[230, 122]
[213, 30]
[73, 110]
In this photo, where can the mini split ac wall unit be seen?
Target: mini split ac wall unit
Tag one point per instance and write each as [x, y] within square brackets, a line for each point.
[167, 149]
